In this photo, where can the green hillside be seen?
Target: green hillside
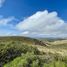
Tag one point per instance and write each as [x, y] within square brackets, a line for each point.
[30, 52]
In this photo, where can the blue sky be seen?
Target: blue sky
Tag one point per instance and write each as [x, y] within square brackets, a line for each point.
[24, 8]
[37, 18]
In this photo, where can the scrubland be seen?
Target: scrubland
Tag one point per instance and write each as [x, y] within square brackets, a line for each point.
[30, 52]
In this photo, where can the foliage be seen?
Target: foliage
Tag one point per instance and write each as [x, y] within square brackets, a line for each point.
[32, 60]
[12, 50]
[19, 52]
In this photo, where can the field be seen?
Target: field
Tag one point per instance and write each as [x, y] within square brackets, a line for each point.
[30, 52]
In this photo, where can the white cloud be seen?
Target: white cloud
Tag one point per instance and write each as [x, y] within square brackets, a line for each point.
[23, 33]
[43, 23]
[40, 24]
[1, 3]
[5, 21]
[6, 28]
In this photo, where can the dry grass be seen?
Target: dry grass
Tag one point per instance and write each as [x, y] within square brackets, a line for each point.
[59, 42]
[59, 47]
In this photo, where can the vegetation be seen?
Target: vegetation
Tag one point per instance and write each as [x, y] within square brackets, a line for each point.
[32, 60]
[29, 52]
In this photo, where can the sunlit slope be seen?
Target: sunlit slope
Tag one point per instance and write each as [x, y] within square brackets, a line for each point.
[55, 46]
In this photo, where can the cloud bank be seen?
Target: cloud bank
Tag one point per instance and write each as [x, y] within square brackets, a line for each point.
[43, 24]
[40, 24]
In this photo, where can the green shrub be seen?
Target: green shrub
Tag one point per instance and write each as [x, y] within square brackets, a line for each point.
[10, 51]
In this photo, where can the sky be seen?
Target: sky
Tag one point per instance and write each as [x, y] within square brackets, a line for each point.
[33, 18]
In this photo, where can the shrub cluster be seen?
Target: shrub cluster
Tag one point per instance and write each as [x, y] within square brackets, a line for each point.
[10, 51]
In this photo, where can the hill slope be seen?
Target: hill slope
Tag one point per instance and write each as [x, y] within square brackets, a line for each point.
[28, 51]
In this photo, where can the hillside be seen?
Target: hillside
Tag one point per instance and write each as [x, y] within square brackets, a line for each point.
[23, 40]
[29, 52]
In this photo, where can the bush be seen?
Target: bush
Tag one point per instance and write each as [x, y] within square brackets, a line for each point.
[10, 51]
